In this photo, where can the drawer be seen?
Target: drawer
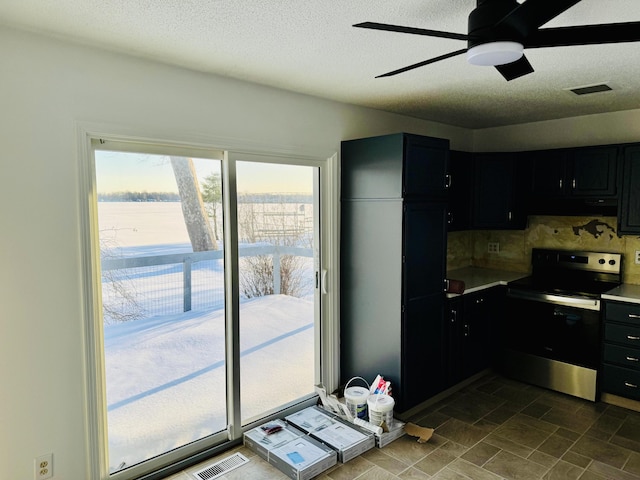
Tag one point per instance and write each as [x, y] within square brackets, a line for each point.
[625, 334]
[621, 381]
[624, 356]
[623, 312]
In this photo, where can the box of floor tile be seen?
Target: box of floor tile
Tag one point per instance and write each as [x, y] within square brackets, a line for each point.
[302, 458]
[346, 439]
[396, 430]
[269, 436]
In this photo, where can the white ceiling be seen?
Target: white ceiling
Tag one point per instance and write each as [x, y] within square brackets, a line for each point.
[310, 46]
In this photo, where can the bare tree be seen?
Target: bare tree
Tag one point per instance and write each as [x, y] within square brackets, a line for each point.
[193, 210]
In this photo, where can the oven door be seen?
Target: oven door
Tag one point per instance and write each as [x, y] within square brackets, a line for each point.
[566, 329]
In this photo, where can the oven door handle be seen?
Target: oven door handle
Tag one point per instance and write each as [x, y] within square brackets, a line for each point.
[584, 303]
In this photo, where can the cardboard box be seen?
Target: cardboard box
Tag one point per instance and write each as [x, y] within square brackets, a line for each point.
[290, 450]
[396, 430]
[303, 458]
[259, 441]
[346, 439]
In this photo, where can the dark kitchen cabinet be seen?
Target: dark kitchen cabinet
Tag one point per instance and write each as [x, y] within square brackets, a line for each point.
[592, 171]
[574, 172]
[548, 173]
[629, 216]
[472, 336]
[393, 254]
[621, 350]
[461, 175]
[498, 194]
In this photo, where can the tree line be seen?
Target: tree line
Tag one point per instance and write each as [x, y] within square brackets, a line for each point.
[139, 197]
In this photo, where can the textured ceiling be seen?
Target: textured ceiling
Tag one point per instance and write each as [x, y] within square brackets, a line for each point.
[311, 47]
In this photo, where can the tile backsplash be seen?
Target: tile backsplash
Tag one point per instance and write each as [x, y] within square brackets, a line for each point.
[470, 248]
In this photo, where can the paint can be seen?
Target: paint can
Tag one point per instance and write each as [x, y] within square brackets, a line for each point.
[380, 409]
[356, 399]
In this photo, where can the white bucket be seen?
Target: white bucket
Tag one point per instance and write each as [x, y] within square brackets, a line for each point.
[356, 399]
[380, 409]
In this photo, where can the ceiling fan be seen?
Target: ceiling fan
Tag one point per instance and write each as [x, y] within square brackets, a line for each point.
[500, 30]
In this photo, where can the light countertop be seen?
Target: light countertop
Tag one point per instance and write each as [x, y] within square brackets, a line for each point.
[624, 293]
[476, 278]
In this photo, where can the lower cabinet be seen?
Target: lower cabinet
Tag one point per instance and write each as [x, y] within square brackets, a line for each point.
[471, 333]
[621, 350]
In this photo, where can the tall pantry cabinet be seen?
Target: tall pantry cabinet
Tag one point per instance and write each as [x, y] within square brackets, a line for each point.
[393, 263]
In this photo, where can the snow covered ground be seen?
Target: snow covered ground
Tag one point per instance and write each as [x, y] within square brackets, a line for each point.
[166, 375]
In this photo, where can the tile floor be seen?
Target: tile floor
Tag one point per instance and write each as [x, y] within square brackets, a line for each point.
[495, 429]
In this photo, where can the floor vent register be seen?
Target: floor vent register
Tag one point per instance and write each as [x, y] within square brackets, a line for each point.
[221, 467]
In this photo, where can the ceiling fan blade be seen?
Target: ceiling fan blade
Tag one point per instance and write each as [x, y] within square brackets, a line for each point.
[530, 15]
[415, 31]
[584, 35]
[422, 64]
[513, 70]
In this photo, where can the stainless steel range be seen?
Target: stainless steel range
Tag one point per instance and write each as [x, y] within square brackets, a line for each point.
[552, 322]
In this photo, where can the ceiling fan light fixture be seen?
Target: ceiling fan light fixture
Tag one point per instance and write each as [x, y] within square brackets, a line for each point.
[495, 53]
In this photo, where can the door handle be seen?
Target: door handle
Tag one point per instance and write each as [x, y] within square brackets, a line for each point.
[324, 282]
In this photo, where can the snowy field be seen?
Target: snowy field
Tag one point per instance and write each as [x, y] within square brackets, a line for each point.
[165, 373]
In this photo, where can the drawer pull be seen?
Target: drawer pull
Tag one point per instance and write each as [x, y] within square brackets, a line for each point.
[632, 359]
[630, 385]
[633, 315]
[633, 337]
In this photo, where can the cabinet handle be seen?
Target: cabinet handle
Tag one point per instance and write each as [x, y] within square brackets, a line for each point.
[449, 218]
[448, 180]
[509, 216]
[454, 316]
[466, 329]
[633, 337]
[633, 315]
[573, 183]
[630, 385]
[560, 184]
[479, 300]
[632, 359]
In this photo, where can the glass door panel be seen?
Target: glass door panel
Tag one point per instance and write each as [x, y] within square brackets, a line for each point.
[277, 232]
[163, 302]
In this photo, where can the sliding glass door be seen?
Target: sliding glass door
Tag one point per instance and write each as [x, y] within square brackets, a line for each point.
[209, 272]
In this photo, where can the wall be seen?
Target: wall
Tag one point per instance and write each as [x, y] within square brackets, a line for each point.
[577, 233]
[48, 88]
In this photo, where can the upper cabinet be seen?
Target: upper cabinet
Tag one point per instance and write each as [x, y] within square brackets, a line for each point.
[461, 174]
[400, 165]
[576, 172]
[573, 181]
[498, 195]
[593, 171]
[629, 216]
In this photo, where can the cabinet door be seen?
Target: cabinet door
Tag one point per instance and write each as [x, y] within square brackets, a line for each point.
[480, 343]
[548, 171]
[425, 249]
[593, 172]
[461, 174]
[629, 219]
[498, 193]
[423, 374]
[426, 167]
[454, 321]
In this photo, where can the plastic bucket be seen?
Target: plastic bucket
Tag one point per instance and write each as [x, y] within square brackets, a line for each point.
[380, 409]
[356, 399]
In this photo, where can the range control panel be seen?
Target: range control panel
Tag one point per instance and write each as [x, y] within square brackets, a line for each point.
[604, 262]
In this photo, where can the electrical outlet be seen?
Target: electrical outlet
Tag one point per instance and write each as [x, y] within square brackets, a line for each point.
[493, 247]
[44, 467]
[637, 257]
